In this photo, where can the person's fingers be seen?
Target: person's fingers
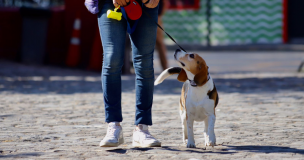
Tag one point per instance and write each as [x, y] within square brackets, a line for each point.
[123, 2]
[120, 2]
[115, 3]
[127, 1]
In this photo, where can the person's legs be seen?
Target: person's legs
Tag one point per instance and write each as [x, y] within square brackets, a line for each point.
[113, 33]
[143, 43]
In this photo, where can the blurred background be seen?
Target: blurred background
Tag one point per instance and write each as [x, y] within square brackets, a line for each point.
[63, 33]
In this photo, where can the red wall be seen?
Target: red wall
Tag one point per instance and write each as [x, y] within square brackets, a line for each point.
[59, 33]
[56, 48]
[10, 33]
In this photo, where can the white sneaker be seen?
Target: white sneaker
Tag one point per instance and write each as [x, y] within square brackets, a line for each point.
[143, 138]
[114, 136]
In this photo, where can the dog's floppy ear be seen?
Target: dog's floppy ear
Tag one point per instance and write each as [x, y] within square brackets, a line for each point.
[182, 76]
[200, 79]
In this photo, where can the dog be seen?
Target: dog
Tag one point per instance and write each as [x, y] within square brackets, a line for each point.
[199, 96]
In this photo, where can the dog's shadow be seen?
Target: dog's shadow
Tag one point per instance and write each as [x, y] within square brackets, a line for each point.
[227, 150]
[265, 149]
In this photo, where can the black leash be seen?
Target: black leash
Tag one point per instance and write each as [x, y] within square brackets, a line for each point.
[164, 30]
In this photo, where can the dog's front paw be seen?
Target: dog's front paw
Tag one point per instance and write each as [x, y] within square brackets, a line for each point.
[210, 140]
[191, 145]
[210, 143]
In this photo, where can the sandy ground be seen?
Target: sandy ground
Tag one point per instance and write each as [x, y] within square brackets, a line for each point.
[52, 113]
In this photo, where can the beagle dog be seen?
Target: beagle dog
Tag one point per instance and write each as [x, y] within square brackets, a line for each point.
[199, 96]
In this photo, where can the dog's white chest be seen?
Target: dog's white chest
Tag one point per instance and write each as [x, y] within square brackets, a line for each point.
[198, 104]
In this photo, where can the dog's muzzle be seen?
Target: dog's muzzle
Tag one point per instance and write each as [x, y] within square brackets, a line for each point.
[177, 51]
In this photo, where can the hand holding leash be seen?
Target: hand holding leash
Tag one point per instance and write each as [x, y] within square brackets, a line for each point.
[122, 3]
[150, 3]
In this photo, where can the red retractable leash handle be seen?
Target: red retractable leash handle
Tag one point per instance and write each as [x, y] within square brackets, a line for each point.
[133, 10]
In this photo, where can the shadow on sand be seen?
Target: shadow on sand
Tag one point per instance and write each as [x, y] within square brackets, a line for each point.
[265, 149]
[169, 148]
[227, 150]
[21, 155]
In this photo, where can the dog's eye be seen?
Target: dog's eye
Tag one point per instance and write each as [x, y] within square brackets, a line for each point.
[191, 55]
[182, 64]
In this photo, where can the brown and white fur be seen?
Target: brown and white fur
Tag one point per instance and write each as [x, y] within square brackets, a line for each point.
[199, 96]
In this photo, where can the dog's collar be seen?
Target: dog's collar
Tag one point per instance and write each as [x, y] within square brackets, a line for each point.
[193, 84]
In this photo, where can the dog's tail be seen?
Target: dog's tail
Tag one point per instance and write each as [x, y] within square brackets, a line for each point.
[166, 73]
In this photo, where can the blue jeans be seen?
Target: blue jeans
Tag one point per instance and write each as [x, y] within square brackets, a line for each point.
[143, 39]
